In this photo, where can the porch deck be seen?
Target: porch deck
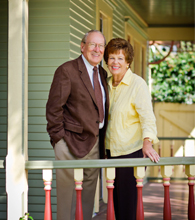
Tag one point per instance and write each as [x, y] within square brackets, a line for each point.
[153, 200]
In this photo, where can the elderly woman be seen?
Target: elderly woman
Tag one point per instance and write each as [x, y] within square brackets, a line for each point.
[131, 128]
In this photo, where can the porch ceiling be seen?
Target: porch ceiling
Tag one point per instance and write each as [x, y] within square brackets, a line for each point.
[165, 13]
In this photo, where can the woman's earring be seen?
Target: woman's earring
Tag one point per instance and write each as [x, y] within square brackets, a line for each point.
[127, 67]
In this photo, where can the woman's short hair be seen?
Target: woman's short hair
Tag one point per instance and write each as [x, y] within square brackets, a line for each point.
[117, 44]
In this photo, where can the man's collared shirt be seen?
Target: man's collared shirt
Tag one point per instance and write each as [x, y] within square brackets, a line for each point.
[90, 72]
[131, 116]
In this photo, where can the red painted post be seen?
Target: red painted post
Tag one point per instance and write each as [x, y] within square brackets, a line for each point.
[79, 209]
[48, 211]
[167, 204]
[110, 205]
[140, 207]
[191, 207]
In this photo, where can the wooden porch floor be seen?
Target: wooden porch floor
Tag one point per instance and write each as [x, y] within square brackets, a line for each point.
[153, 200]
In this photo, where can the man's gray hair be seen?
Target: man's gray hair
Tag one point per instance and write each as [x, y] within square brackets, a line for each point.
[92, 31]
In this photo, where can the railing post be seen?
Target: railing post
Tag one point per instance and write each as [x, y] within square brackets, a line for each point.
[139, 173]
[166, 172]
[190, 172]
[78, 178]
[47, 178]
[110, 175]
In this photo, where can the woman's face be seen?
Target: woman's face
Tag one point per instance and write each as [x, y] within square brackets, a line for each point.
[117, 63]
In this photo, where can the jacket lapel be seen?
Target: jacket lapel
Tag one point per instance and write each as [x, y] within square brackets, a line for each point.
[85, 78]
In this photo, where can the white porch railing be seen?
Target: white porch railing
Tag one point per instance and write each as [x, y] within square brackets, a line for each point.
[165, 163]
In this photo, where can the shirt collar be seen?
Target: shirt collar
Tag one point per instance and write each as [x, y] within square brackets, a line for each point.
[126, 79]
[87, 64]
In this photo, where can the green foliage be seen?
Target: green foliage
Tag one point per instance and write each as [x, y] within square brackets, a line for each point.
[26, 216]
[174, 78]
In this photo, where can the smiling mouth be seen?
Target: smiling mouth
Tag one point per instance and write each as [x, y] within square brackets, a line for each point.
[95, 54]
[115, 67]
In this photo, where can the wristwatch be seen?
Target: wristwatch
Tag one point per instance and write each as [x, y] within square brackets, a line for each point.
[148, 139]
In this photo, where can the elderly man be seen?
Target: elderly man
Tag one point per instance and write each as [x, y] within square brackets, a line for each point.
[76, 112]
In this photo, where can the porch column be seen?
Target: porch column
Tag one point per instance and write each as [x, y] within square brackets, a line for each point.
[16, 177]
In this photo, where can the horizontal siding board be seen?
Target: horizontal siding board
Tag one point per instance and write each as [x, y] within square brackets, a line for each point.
[3, 80]
[37, 137]
[52, 54]
[75, 48]
[2, 206]
[76, 40]
[37, 128]
[41, 12]
[36, 120]
[81, 24]
[36, 87]
[48, 4]
[3, 103]
[36, 112]
[3, 143]
[40, 200]
[45, 62]
[3, 128]
[3, 71]
[3, 87]
[3, 45]
[41, 71]
[2, 183]
[40, 79]
[48, 21]
[48, 46]
[42, 153]
[3, 135]
[3, 111]
[41, 207]
[41, 145]
[81, 15]
[49, 30]
[3, 120]
[3, 95]
[77, 32]
[41, 37]
[3, 53]
[87, 9]
[3, 215]
[73, 55]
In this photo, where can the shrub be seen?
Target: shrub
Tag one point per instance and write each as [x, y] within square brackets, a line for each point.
[174, 78]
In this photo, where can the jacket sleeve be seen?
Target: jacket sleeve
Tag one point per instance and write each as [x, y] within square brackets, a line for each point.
[58, 95]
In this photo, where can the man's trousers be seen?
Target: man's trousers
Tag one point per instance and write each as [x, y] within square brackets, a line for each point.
[65, 185]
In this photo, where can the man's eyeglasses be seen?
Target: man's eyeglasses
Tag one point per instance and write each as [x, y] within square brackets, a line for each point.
[94, 45]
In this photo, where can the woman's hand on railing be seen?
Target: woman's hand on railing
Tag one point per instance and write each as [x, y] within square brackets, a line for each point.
[148, 151]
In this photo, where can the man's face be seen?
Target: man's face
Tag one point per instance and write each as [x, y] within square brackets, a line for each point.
[93, 48]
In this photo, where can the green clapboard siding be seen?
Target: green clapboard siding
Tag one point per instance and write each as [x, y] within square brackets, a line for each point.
[3, 101]
[55, 32]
